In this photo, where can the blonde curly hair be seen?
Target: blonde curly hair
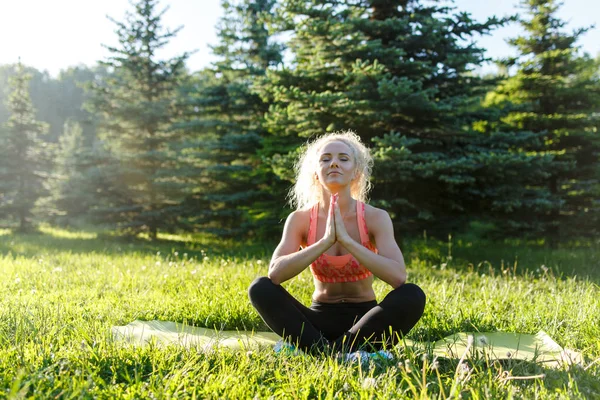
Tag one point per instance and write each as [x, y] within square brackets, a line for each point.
[308, 190]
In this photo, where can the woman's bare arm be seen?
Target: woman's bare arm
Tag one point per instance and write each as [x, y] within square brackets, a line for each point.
[288, 261]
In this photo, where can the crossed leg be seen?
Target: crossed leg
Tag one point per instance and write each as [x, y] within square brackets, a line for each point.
[321, 329]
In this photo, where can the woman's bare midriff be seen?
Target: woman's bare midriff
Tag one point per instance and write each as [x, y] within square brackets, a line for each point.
[346, 292]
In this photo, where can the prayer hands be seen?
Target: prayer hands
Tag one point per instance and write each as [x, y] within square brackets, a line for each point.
[341, 234]
[330, 236]
[335, 230]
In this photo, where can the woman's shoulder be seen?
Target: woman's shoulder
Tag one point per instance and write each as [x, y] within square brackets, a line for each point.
[375, 216]
[299, 222]
[299, 218]
[301, 213]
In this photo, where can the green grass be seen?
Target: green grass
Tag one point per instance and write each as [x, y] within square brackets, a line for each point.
[61, 292]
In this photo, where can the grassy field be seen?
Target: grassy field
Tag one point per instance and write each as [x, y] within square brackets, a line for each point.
[61, 292]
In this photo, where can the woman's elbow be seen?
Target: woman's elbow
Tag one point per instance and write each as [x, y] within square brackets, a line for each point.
[398, 280]
[273, 276]
[395, 284]
[274, 279]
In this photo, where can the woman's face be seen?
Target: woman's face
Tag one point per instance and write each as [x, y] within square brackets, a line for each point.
[337, 166]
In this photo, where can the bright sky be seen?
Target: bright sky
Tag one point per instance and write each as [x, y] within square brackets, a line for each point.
[55, 34]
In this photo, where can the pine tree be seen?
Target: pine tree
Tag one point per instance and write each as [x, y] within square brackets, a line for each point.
[25, 159]
[55, 100]
[74, 94]
[227, 115]
[555, 93]
[399, 73]
[138, 105]
[72, 193]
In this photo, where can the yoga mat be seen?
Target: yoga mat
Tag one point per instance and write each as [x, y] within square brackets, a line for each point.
[538, 348]
[174, 333]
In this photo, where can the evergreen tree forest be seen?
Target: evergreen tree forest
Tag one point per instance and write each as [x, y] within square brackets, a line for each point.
[141, 145]
[25, 160]
[554, 97]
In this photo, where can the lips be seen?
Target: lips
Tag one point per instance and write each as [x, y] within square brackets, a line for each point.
[334, 172]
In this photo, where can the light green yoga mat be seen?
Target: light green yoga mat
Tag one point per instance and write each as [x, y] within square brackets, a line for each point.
[173, 333]
[493, 345]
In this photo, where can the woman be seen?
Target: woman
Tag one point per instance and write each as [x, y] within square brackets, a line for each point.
[346, 243]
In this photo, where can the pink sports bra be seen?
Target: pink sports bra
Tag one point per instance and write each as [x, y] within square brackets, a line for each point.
[344, 268]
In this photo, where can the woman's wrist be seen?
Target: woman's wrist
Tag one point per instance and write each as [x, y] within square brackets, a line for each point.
[326, 243]
[346, 240]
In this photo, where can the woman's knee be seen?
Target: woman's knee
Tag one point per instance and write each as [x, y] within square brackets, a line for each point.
[261, 288]
[417, 293]
[409, 294]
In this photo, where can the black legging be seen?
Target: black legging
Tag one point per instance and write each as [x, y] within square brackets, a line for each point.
[338, 326]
